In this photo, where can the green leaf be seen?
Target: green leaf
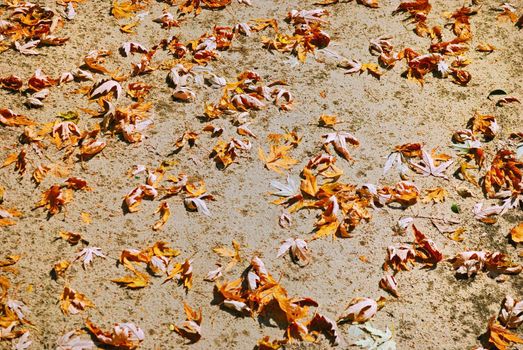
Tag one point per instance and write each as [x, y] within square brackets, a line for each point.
[70, 115]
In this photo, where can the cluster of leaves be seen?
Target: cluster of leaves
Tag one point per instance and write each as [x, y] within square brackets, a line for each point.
[29, 26]
[308, 34]
[439, 51]
[343, 206]
[499, 328]
[14, 322]
[256, 292]
[159, 261]
[195, 192]
[502, 180]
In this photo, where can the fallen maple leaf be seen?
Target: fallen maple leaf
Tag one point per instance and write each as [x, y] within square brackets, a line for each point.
[87, 255]
[10, 118]
[399, 258]
[516, 234]
[426, 249]
[328, 121]
[277, 159]
[73, 302]
[165, 213]
[124, 9]
[339, 142]
[28, 48]
[191, 328]
[23, 342]
[326, 326]
[389, 284]
[136, 281]
[511, 313]
[437, 195]
[59, 268]
[72, 341]
[71, 237]
[428, 167]
[359, 310]
[213, 275]
[298, 250]
[233, 254]
[185, 272]
[123, 335]
[198, 204]
[500, 337]
[485, 47]
[104, 87]
[55, 198]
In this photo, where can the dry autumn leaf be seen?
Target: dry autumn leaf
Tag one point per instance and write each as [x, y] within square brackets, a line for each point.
[277, 160]
[233, 254]
[165, 213]
[500, 337]
[516, 233]
[359, 310]
[73, 302]
[123, 335]
[191, 328]
[437, 195]
[511, 313]
[136, 281]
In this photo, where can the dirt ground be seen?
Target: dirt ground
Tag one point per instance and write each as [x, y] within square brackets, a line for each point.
[435, 309]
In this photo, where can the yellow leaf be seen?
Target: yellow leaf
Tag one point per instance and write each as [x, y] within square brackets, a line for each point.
[162, 249]
[71, 237]
[309, 184]
[86, 218]
[437, 195]
[456, 235]
[466, 174]
[328, 229]
[139, 280]
[7, 222]
[234, 254]
[40, 173]
[165, 213]
[500, 337]
[372, 69]
[10, 159]
[60, 267]
[73, 302]
[485, 47]
[277, 159]
[124, 9]
[128, 27]
[516, 234]
[328, 120]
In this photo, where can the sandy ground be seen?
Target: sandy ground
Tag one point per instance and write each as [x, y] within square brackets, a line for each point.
[435, 311]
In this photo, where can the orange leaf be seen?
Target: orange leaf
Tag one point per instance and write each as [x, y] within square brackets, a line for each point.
[516, 234]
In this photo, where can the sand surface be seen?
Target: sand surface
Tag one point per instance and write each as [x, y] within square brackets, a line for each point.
[436, 310]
